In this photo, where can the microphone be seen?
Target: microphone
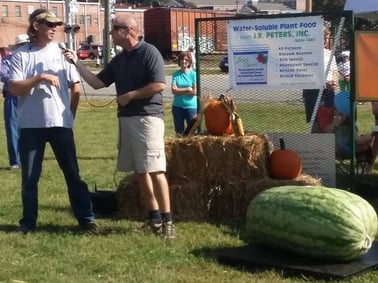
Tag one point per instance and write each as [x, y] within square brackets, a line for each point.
[64, 48]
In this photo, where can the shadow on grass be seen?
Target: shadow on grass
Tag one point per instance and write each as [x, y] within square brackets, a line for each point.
[259, 258]
[67, 229]
[214, 254]
[7, 168]
[83, 158]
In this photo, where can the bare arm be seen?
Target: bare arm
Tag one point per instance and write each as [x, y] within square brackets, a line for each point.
[87, 75]
[190, 91]
[23, 87]
[75, 97]
[144, 92]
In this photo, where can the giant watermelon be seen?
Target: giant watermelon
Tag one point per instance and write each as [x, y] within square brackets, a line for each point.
[319, 222]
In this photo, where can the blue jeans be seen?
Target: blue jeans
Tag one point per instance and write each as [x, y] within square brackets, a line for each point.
[32, 148]
[180, 116]
[11, 127]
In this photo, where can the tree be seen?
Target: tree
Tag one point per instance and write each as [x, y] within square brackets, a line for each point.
[338, 6]
[328, 5]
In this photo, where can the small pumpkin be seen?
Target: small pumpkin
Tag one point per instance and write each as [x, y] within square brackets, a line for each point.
[285, 163]
[217, 119]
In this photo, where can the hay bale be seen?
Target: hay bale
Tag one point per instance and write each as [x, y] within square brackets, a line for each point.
[209, 159]
[210, 178]
[232, 198]
[129, 200]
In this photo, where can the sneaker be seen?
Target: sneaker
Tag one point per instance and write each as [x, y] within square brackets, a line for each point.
[90, 228]
[169, 231]
[155, 228]
[13, 167]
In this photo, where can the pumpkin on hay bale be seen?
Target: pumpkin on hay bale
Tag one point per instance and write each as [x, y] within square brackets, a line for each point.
[285, 163]
[217, 119]
[210, 178]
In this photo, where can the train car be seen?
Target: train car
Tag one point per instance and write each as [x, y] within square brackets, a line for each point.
[172, 30]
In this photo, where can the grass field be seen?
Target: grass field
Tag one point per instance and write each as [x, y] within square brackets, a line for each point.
[59, 252]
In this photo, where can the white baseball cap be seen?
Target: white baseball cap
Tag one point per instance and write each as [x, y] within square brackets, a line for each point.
[345, 53]
[21, 38]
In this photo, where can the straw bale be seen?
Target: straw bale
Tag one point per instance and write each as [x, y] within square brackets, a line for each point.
[232, 198]
[129, 200]
[211, 178]
[216, 159]
[198, 202]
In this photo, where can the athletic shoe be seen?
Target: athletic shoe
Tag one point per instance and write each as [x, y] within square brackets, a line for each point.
[151, 226]
[23, 230]
[169, 231]
[90, 228]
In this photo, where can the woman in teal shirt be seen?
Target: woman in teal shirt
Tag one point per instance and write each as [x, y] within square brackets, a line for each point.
[184, 90]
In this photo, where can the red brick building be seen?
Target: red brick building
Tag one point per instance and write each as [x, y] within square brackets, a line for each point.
[90, 17]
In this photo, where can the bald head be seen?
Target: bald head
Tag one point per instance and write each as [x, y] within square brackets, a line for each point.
[125, 20]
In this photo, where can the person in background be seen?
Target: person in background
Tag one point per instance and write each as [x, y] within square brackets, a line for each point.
[328, 93]
[184, 89]
[374, 107]
[344, 71]
[10, 106]
[193, 56]
[139, 76]
[341, 127]
[43, 81]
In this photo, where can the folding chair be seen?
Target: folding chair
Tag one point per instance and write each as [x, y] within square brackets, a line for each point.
[364, 155]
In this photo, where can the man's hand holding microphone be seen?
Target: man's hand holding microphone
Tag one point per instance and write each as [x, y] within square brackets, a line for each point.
[69, 54]
[87, 75]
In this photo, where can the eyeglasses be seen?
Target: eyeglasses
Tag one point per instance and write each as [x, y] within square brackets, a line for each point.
[48, 24]
[117, 27]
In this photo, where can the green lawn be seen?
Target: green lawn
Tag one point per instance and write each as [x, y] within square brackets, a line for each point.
[58, 252]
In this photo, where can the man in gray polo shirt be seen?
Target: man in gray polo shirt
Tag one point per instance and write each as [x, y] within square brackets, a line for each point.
[139, 76]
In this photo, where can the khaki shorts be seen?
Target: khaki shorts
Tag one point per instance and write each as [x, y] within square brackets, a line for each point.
[141, 146]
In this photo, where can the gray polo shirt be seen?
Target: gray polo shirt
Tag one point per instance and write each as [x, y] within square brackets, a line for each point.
[134, 70]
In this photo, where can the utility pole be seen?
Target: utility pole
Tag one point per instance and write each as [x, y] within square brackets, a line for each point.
[109, 10]
[106, 50]
[308, 6]
[71, 28]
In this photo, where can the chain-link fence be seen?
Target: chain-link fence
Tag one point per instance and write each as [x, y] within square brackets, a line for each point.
[278, 70]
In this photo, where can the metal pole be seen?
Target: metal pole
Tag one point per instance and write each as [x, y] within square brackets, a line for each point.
[68, 17]
[106, 51]
[308, 6]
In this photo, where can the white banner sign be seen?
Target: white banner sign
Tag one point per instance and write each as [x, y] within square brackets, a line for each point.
[284, 53]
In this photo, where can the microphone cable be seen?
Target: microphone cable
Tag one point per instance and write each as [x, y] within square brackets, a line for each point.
[63, 47]
[89, 102]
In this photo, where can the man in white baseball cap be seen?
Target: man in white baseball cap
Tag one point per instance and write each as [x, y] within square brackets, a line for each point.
[21, 39]
[10, 106]
[344, 71]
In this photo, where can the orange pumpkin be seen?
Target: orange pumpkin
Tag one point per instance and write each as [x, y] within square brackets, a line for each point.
[217, 119]
[285, 163]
